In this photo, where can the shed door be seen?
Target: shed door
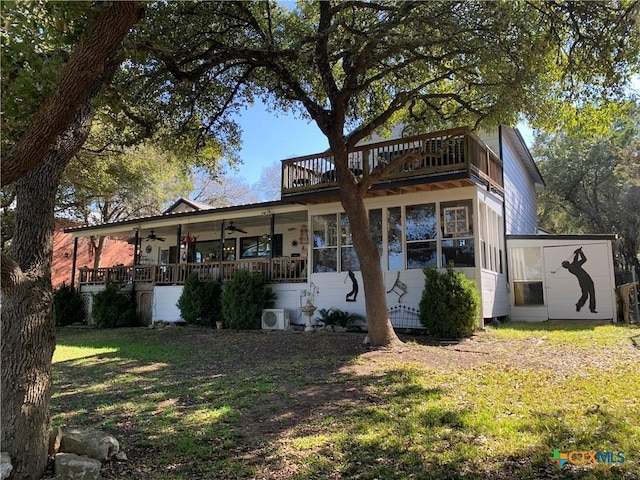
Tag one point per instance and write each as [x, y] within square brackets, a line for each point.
[579, 286]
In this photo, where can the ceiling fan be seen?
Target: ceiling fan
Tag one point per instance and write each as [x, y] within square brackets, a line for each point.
[153, 236]
[232, 228]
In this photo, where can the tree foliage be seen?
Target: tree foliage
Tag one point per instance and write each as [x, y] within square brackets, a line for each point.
[593, 180]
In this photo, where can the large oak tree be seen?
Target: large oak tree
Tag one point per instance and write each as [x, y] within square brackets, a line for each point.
[354, 67]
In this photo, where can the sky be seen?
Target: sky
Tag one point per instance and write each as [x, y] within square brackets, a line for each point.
[268, 138]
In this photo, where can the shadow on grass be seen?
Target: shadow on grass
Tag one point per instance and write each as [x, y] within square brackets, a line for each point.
[191, 403]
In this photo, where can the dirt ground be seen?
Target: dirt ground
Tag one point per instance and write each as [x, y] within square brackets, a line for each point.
[242, 354]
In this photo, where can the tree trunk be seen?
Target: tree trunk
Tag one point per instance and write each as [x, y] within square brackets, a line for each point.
[97, 245]
[379, 326]
[28, 325]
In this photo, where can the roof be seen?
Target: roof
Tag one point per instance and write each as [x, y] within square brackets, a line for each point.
[134, 222]
[194, 205]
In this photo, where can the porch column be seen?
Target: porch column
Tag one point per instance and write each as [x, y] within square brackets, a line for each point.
[178, 238]
[73, 263]
[272, 227]
[136, 258]
[221, 248]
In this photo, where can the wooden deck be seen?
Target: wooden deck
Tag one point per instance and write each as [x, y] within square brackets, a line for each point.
[277, 270]
[423, 158]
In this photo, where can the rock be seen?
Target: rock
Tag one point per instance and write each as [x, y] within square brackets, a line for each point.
[90, 442]
[121, 456]
[74, 467]
[5, 465]
[55, 437]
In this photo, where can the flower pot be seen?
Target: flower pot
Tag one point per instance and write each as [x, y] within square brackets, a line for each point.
[220, 325]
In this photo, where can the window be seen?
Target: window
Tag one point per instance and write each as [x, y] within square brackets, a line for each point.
[422, 235]
[527, 276]
[394, 239]
[375, 225]
[348, 257]
[457, 244]
[209, 251]
[456, 221]
[325, 243]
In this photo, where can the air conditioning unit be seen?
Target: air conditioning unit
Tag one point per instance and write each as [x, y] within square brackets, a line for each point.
[275, 319]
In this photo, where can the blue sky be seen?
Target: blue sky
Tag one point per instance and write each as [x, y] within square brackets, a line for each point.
[268, 138]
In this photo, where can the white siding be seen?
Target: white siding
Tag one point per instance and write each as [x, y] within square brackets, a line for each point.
[520, 190]
[164, 303]
[520, 195]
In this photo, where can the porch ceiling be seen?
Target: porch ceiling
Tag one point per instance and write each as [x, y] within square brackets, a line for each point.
[195, 225]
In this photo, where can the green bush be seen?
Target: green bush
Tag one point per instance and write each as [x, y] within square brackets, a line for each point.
[243, 299]
[113, 309]
[199, 302]
[68, 306]
[336, 317]
[450, 303]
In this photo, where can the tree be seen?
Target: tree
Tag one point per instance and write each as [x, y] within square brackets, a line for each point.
[52, 136]
[269, 186]
[222, 190]
[108, 186]
[58, 58]
[358, 67]
[593, 181]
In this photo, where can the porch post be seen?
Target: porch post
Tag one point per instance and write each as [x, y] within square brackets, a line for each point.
[221, 249]
[136, 241]
[73, 263]
[272, 227]
[178, 238]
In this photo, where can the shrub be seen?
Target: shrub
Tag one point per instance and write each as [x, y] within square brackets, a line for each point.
[450, 303]
[336, 317]
[243, 299]
[113, 309]
[68, 306]
[199, 302]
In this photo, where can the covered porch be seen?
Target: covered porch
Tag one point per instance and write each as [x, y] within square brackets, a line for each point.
[269, 238]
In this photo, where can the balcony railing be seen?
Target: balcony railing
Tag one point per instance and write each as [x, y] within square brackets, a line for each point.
[276, 270]
[438, 153]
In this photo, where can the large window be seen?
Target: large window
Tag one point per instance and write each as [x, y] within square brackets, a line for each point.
[394, 239]
[209, 251]
[252, 247]
[348, 256]
[325, 243]
[422, 235]
[375, 224]
[457, 237]
[527, 276]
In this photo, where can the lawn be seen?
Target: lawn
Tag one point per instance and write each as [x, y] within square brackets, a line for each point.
[191, 403]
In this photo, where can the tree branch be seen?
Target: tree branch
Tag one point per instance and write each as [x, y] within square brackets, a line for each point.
[101, 40]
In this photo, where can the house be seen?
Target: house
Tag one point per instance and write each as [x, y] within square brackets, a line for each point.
[450, 197]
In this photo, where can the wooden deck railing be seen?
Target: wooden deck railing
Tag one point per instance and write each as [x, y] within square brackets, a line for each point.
[277, 270]
[428, 155]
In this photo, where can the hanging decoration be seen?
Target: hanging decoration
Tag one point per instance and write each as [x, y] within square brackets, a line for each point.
[188, 239]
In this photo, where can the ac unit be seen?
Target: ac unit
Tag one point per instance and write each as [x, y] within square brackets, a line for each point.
[275, 319]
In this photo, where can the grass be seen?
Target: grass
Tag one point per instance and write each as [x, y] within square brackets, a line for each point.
[196, 403]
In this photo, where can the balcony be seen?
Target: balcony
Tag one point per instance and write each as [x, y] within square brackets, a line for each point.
[276, 270]
[433, 157]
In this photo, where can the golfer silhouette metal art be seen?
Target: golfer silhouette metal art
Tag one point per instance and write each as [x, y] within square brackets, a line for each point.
[351, 296]
[584, 280]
